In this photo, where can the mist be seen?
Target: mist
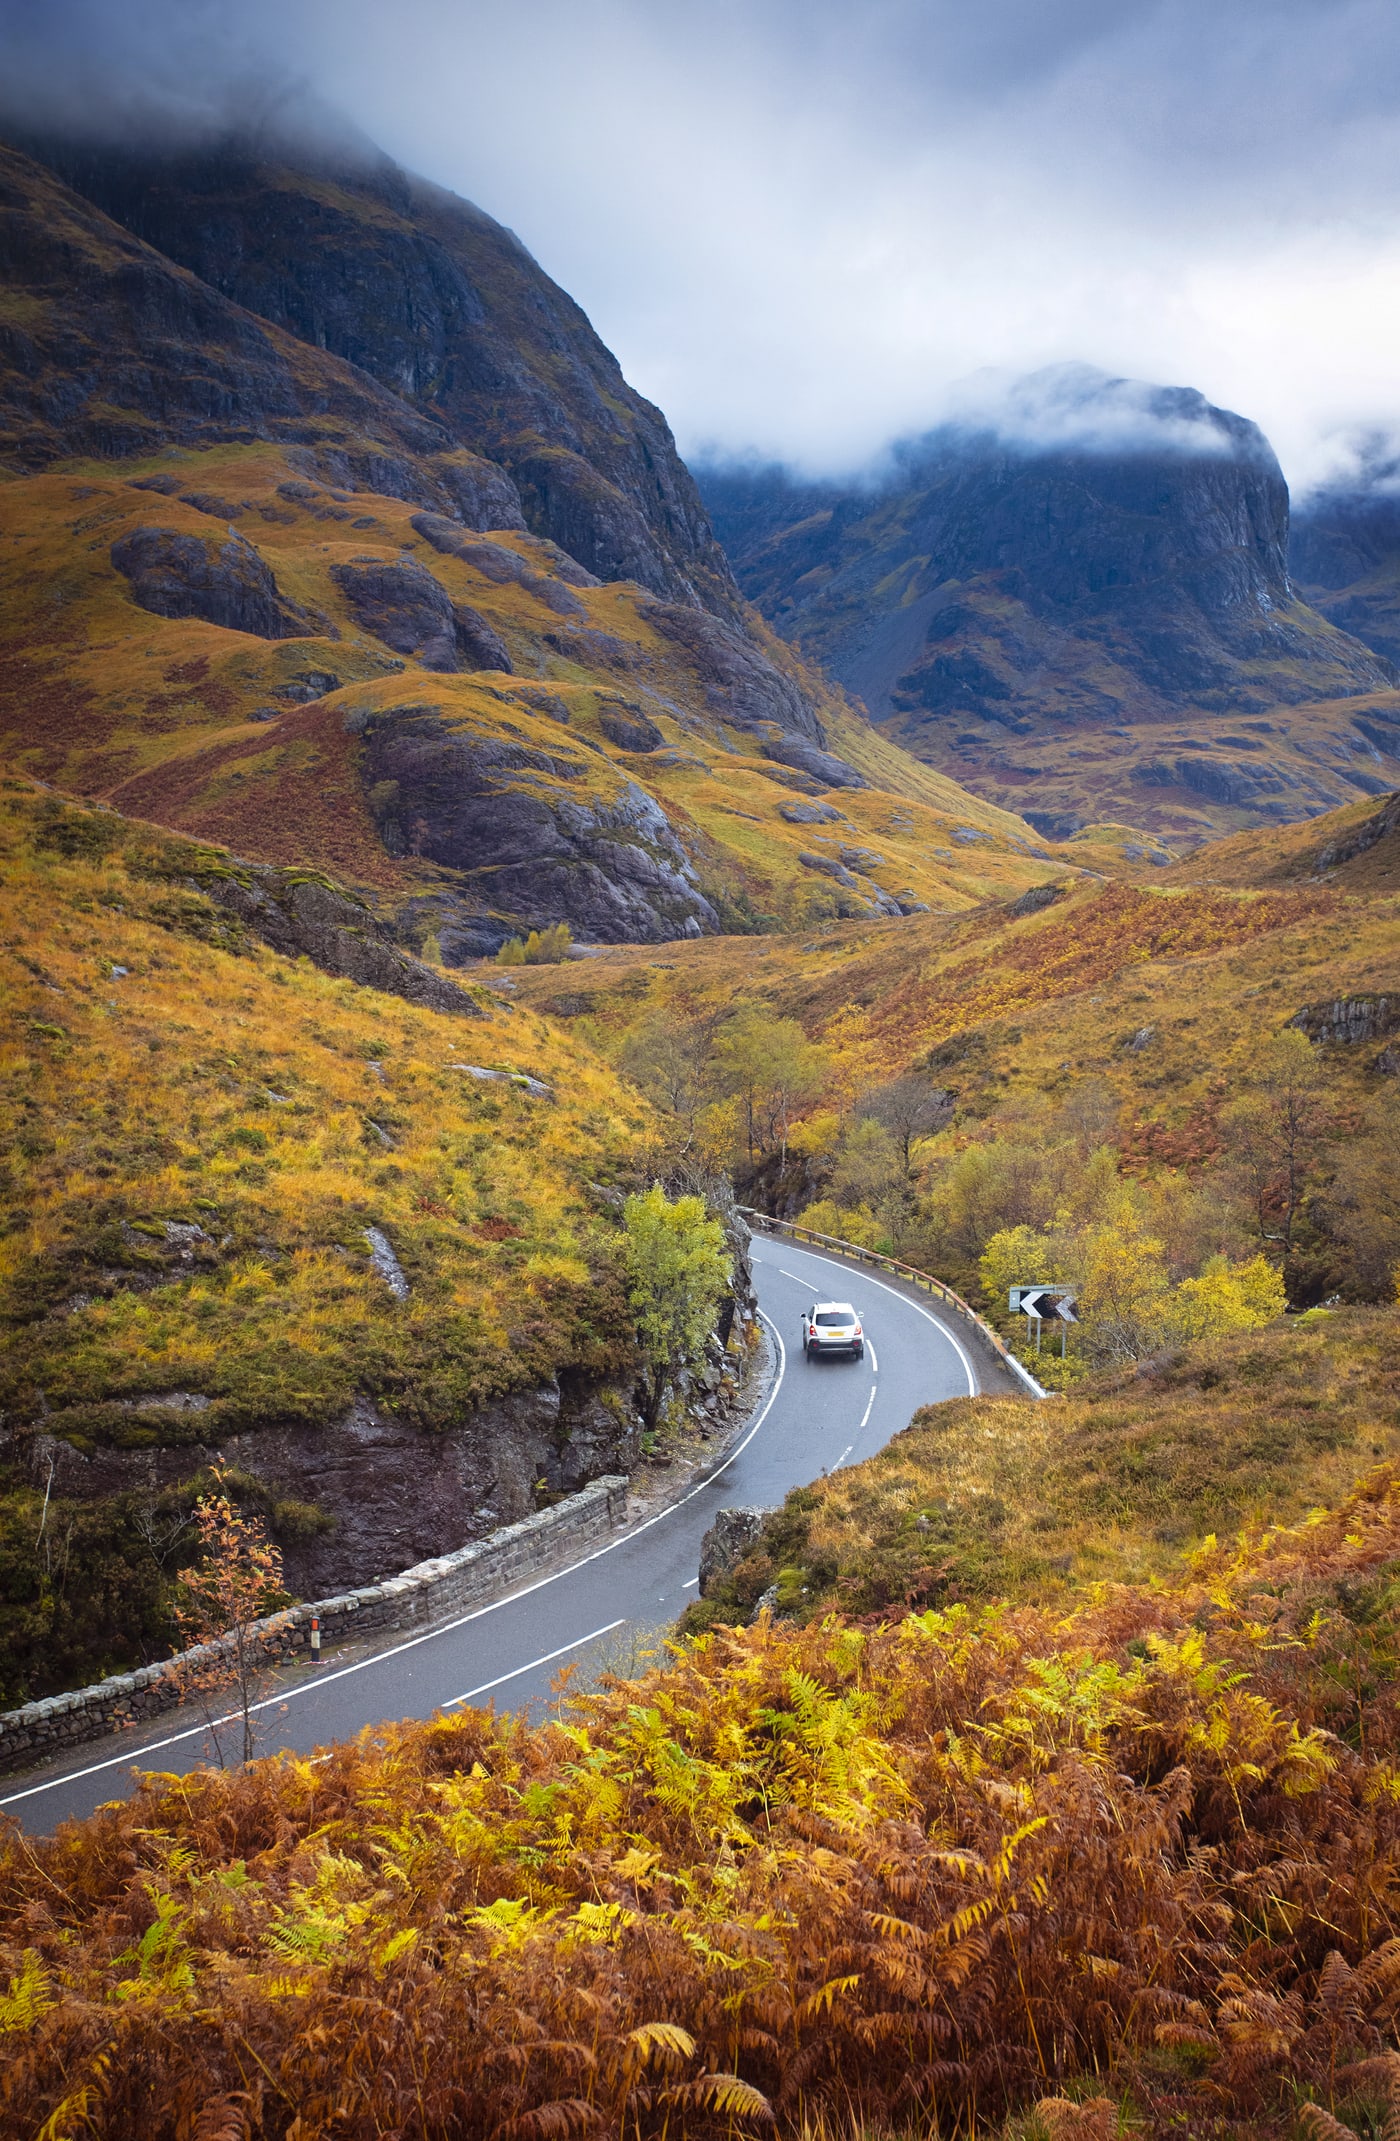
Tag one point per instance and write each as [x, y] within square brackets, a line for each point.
[805, 230]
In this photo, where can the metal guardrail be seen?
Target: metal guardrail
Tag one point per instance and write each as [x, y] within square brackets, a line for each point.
[764, 1223]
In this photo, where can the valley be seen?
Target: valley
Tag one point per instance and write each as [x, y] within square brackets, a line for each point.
[455, 862]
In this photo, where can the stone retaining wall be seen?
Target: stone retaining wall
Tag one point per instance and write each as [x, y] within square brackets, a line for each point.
[429, 1592]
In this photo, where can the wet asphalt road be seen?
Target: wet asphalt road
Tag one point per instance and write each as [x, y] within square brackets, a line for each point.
[815, 1416]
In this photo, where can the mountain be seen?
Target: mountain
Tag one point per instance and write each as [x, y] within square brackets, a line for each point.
[251, 592]
[1078, 603]
[447, 311]
[1344, 554]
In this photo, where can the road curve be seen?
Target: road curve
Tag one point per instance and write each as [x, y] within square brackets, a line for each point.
[814, 1417]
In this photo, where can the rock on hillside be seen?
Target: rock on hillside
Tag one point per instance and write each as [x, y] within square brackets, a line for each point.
[446, 309]
[1108, 559]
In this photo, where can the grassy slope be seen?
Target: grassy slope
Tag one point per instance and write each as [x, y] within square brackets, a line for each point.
[104, 699]
[1000, 1007]
[216, 1085]
[981, 1499]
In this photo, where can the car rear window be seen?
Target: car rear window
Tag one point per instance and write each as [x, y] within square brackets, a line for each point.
[835, 1316]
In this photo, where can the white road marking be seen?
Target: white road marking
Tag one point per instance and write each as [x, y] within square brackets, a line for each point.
[690, 1586]
[874, 1364]
[869, 1406]
[133, 1757]
[547, 1659]
[842, 1458]
[937, 1323]
[793, 1276]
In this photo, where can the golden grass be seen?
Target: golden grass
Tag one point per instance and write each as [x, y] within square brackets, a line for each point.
[987, 1498]
[153, 714]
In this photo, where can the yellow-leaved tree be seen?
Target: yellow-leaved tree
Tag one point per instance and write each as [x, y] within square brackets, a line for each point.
[678, 1272]
[1228, 1297]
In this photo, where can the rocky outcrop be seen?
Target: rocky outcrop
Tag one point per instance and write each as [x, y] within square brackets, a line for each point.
[1118, 561]
[109, 349]
[445, 309]
[298, 913]
[629, 728]
[726, 1542]
[227, 583]
[741, 684]
[409, 610]
[370, 1494]
[823, 767]
[498, 815]
[1349, 1020]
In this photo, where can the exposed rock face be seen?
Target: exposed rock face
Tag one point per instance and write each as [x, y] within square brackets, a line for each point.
[996, 593]
[726, 1542]
[630, 730]
[742, 685]
[1344, 552]
[446, 309]
[296, 914]
[394, 1493]
[614, 871]
[1349, 1020]
[225, 583]
[823, 767]
[412, 612]
[109, 349]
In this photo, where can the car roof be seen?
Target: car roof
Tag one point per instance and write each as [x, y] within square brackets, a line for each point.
[844, 1306]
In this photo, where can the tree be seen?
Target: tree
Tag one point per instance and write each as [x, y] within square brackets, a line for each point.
[909, 1108]
[543, 947]
[236, 1582]
[678, 1272]
[771, 1067]
[669, 1058]
[1277, 1130]
[1226, 1297]
[1123, 1297]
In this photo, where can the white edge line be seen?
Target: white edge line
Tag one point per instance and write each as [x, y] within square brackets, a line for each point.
[548, 1659]
[918, 1308]
[874, 1363]
[869, 1408]
[690, 1586]
[133, 1759]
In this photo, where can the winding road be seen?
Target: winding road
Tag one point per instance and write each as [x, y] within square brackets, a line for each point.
[814, 1417]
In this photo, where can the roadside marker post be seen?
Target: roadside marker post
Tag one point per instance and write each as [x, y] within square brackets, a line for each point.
[315, 1638]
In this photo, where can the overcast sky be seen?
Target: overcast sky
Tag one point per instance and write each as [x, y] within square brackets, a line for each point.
[800, 223]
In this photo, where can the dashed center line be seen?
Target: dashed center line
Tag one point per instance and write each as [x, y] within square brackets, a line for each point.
[870, 1401]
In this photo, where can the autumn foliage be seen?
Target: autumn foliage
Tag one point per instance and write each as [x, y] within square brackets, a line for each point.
[910, 1874]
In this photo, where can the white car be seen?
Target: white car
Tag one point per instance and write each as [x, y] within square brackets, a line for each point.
[832, 1327]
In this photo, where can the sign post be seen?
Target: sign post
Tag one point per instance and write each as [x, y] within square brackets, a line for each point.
[1037, 1302]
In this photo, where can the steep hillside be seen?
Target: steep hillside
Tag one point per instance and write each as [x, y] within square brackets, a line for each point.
[1083, 613]
[1344, 554]
[353, 1245]
[1357, 848]
[240, 593]
[446, 309]
[475, 730]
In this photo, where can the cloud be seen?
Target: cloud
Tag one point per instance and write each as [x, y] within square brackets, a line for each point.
[802, 224]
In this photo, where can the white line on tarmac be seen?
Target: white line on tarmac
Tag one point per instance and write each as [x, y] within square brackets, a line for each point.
[874, 1363]
[133, 1757]
[842, 1458]
[870, 1402]
[547, 1659]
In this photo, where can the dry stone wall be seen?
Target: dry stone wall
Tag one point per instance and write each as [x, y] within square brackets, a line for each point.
[429, 1592]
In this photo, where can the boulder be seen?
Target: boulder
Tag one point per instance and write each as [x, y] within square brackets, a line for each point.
[405, 607]
[227, 583]
[727, 1541]
[823, 767]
